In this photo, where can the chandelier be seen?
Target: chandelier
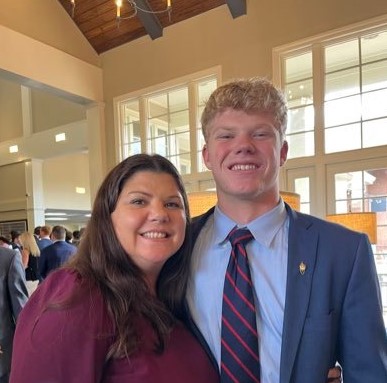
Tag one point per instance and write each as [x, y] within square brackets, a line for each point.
[135, 9]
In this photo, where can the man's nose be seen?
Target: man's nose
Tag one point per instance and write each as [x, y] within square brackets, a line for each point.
[244, 144]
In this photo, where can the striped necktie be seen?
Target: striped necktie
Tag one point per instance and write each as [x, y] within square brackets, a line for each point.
[239, 351]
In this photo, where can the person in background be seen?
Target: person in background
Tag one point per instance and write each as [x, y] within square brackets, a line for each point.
[5, 242]
[69, 236]
[76, 237]
[30, 258]
[56, 254]
[15, 240]
[122, 296]
[13, 296]
[315, 287]
[37, 233]
[44, 235]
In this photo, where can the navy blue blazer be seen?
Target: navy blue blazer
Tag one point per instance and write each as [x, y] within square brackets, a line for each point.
[333, 311]
[54, 256]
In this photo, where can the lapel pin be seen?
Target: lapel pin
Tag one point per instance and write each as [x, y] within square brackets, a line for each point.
[302, 268]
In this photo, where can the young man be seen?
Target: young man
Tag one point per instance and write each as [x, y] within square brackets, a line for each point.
[315, 287]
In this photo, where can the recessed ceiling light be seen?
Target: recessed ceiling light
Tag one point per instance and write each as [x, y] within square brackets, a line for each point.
[56, 219]
[55, 214]
[80, 190]
[13, 149]
[60, 137]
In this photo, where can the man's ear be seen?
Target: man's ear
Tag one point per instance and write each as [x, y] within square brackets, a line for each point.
[206, 157]
[284, 153]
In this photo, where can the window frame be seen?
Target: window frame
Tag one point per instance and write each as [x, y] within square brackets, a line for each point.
[190, 81]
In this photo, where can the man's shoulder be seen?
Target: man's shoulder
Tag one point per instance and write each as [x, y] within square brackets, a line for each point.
[199, 222]
[66, 248]
[9, 252]
[6, 254]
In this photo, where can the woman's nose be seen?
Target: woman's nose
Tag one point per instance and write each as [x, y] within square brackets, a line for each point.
[158, 212]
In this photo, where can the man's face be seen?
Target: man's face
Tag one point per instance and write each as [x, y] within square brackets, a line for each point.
[245, 152]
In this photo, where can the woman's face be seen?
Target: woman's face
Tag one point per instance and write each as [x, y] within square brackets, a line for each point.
[149, 220]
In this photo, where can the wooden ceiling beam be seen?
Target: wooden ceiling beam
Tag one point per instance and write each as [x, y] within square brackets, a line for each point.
[149, 20]
[237, 7]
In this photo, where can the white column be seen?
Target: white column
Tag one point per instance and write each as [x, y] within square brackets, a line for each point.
[97, 153]
[34, 193]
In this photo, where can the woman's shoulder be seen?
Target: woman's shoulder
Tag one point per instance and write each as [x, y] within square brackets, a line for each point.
[62, 282]
[66, 291]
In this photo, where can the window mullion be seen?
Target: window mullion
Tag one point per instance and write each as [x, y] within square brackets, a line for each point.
[144, 134]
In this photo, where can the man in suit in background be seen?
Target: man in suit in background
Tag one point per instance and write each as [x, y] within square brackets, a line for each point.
[13, 296]
[315, 286]
[56, 254]
[44, 237]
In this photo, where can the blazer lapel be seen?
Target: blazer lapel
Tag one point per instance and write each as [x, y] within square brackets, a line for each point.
[301, 262]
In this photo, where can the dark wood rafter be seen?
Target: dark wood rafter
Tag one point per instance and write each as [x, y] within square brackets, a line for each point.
[149, 20]
[237, 7]
[97, 20]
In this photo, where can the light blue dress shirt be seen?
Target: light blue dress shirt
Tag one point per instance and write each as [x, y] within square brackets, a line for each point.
[268, 254]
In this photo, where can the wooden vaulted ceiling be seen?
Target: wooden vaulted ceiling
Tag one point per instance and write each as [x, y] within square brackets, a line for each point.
[97, 18]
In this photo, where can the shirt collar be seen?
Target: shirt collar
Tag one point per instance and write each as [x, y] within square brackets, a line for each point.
[263, 228]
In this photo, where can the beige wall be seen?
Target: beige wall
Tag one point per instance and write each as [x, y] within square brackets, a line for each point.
[50, 111]
[242, 46]
[11, 121]
[13, 200]
[60, 178]
[46, 21]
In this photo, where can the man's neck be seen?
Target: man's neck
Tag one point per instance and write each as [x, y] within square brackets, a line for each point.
[243, 211]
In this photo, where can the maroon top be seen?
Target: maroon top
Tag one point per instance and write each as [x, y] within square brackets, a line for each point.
[70, 344]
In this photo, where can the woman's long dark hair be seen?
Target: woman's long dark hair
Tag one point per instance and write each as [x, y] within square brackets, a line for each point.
[102, 259]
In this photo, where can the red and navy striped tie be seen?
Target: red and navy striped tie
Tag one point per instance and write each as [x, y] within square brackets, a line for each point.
[239, 355]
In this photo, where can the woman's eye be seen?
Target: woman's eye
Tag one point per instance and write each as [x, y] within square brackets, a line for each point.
[137, 201]
[174, 205]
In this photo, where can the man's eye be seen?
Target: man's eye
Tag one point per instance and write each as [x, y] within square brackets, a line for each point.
[262, 134]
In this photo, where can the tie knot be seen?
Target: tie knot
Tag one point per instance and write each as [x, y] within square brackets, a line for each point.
[242, 236]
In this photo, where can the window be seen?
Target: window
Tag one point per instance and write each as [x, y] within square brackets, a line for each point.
[131, 138]
[204, 90]
[348, 105]
[366, 191]
[299, 91]
[162, 121]
[355, 92]
[336, 86]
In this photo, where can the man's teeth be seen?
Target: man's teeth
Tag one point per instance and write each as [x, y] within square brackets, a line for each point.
[243, 167]
[154, 234]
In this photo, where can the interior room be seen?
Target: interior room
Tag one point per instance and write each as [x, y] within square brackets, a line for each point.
[84, 84]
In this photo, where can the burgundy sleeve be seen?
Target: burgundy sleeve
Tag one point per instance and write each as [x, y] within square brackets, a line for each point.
[69, 344]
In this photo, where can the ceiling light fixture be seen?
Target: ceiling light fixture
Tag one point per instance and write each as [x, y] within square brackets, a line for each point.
[72, 8]
[364, 222]
[136, 8]
[13, 149]
[60, 137]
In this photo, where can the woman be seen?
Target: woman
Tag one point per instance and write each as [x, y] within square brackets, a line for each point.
[115, 313]
[30, 258]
